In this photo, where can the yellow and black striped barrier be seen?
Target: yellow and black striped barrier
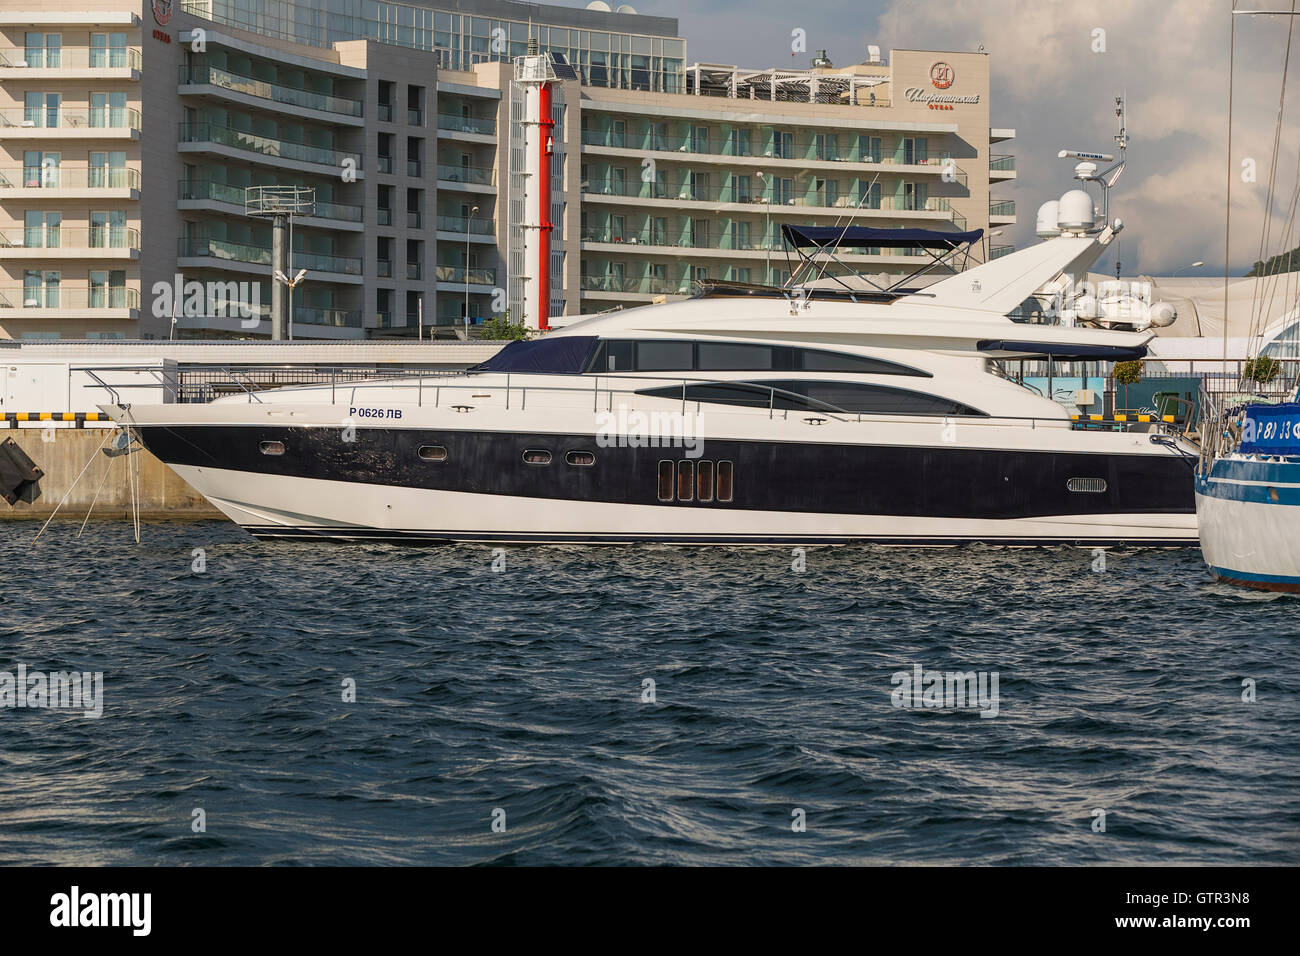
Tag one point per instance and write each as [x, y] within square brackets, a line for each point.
[79, 418]
[1169, 419]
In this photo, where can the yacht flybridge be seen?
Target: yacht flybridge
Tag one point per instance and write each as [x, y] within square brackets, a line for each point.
[829, 412]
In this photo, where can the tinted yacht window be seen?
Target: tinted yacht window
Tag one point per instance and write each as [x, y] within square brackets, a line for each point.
[852, 397]
[678, 356]
[664, 356]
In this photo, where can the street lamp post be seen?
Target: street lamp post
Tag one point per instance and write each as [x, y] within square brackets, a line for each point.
[767, 227]
[468, 220]
[292, 284]
[1195, 265]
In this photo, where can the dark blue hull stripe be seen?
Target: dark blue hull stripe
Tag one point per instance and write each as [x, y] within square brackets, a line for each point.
[1267, 582]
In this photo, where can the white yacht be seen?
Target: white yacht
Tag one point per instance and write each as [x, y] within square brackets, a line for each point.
[744, 415]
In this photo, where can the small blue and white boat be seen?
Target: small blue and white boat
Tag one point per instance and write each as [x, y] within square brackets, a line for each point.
[1248, 497]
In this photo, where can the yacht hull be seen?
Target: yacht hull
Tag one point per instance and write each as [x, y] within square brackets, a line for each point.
[377, 486]
[1249, 517]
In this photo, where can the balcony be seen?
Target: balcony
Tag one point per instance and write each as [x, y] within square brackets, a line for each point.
[462, 276]
[414, 169]
[199, 74]
[272, 151]
[414, 117]
[723, 245]
[805, 196]
[45, 123]
[204, 191]
[414, 219]
[1002, 167]
[73, 63]
[385, 112]
[646, 285]
[332, 318]
[59, 242]
[467, 175]
[385, 164]
[1002, 212]
[414, 271]
[997, 252]
[56, 182]
[204, 248]
[475, 225]
[384, 268]
[453, 123]
[68, 301]
[384, 216]
[760, 151]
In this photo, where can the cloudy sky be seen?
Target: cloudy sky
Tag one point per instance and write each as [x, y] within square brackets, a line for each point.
[1169, 56]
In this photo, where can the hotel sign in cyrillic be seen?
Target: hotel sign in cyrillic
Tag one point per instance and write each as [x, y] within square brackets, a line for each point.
[938, 101]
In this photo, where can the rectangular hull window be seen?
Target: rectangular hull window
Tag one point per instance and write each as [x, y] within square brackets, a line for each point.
[685, 480]
[271, 448]
[704, 476]
[725, 481]
[433, 453]
[665, 481]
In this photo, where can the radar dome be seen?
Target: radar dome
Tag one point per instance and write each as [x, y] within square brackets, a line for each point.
[1076, 211]
[1048, 213]
[1162, 315]
[600, 5]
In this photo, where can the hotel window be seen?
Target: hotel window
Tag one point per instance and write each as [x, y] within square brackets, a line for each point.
[108, 170]
[782, 145]
[826, 147]
[699, 139]
[740, 275]
[915, 196]
[699, 235]
[868, 194]
[739, 234]
[43, 50]
[658, 136]
[870, 149]
[108, 229]
[108, 289]
[741, 141]
[41, 110]
[41, 169]
[108, 50]
[827, 192]
[41, 229]
[41, 289]
[618, 133]
[783, 192]
[740, 189]
[107, 110]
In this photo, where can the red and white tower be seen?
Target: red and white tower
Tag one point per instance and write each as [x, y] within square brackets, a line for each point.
[536, 166]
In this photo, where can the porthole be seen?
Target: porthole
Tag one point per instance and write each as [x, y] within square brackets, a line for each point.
[271, 448]
[537, 456]
[1093, 486]
[582, 458]
[432, 453]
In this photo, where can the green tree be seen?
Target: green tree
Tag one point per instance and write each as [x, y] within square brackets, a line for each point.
[500, 328]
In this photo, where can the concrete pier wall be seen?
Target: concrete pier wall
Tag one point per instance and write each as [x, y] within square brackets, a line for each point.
[160, 491]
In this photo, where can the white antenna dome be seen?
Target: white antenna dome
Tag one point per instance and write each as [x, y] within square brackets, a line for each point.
[1048, 213]
[1163, 314]
[625, 8]
[1075, 211]
[600, 5]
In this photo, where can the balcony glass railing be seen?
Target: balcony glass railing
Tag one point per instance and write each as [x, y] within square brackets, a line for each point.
[384, 216]
[333, 318]
[467, 124]
[210, 190]
[645, 285]
[1003, 207]
[44, 117]
[476, 175]
[385, 164]
[847, 148]
[201, 247]
[997, 252]
[414, 117]
[385, 112]
[477, 226]
[198, 73]
[463, 275]
[95, 237]
[655, 239]
[265, 146]
[803, 193]
[414, 219]
[63, 296]
[414, 168]
[384, 268]
[83, 58]
[414, 270]
[57, 177]
[1002, 163]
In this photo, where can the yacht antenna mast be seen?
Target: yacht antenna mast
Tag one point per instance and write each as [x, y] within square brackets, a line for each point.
[1121, 140]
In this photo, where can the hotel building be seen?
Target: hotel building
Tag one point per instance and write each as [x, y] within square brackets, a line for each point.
[130, 134]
